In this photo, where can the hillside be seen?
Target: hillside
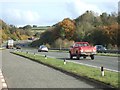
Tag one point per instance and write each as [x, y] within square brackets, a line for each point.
[95, 29]
[39, 29]
[11, 32]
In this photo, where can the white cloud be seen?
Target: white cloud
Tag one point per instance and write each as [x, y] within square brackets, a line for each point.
[17, 16]
[78, 7]
[49, 12]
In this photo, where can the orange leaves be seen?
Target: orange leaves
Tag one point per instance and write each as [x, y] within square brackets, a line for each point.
[111, 32]
[68, 27]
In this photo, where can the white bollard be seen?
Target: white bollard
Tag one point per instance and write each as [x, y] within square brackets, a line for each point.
[64, 61]
[102, 71]
[34, 54]
[45, 56]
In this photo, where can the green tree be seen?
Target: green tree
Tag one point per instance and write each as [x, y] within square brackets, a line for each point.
[27, 27]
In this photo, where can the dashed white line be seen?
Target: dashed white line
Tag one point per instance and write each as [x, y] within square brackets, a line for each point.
[4, 85]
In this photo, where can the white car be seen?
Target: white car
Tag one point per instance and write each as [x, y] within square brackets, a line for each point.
[42, 48]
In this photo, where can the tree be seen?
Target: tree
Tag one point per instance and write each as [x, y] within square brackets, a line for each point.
[34, 25]
[12, 29]
[67, 28]
[27, 27]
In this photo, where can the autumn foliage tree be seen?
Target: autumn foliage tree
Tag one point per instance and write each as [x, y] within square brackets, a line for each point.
[67, 28]
[91, 27]
[112, 32]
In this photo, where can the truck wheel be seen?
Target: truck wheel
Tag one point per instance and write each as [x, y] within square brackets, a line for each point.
[92, 57]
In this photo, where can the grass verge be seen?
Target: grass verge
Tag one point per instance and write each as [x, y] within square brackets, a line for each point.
[108, 54]
[2, 48]
[110, 78]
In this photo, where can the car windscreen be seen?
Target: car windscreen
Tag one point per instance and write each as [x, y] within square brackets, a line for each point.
[82, 44]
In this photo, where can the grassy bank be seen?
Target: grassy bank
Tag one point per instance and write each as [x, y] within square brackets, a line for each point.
[108, 54]
[2, 48]
[110, 78]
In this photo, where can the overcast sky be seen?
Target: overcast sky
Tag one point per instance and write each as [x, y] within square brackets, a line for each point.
[49, 12]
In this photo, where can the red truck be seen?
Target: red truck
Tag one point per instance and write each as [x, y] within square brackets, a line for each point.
[82, 49]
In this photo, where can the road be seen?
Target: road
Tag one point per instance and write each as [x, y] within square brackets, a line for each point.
[0, 68]
[107, 62]
[20, 72]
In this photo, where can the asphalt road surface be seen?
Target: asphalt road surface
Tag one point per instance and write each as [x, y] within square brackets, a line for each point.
[110, 63]
[0, 68]
[20, 72]
[1, 59]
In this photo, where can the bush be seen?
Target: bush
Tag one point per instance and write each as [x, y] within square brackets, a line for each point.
[47, 45]
[59, 43]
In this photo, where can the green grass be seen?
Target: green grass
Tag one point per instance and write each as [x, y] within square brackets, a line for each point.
[59, 51]
[108, 54]
[2, 48]
[110, 78]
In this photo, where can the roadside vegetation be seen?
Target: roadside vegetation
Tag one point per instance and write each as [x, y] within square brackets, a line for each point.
[110, 78]
[109, 54]
[90, 27]
[12, 32]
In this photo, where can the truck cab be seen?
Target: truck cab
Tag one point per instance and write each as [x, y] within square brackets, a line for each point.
[82, 49]
[10, 44]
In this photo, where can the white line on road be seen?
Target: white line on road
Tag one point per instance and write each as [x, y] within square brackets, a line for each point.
[85, 64]
[4, 85]
[93, 66]
[81, 63]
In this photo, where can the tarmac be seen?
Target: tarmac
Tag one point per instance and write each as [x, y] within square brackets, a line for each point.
[0, 81]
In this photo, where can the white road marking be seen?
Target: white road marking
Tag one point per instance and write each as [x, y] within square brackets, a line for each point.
[3, 81]
[93, 66]
[84, 64]
[4, 85]
[81, 63]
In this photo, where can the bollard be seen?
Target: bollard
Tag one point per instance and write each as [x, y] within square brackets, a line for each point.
[34, 55]
[45, 56]
[27, 52]
[102, 71]
[64, 61]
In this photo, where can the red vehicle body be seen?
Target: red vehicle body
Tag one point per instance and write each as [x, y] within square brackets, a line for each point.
[82, 49]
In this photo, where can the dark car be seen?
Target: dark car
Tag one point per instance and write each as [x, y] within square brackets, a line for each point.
[100, 49]
[17, 46]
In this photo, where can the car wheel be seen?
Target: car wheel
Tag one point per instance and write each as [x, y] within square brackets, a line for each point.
[78, 56]
[71, 57]
[84, 57]
[92, 57]
[39, 51]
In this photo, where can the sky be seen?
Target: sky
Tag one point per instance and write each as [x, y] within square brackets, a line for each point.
[49, 12]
